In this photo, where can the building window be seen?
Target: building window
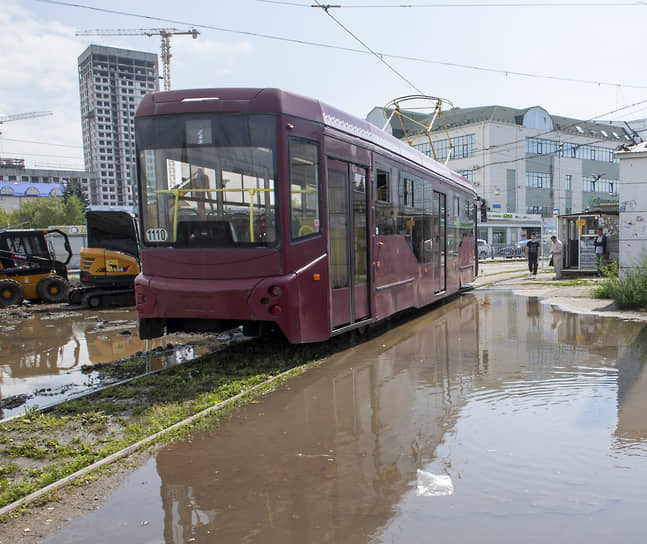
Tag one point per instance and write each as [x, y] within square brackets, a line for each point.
[537, 180]
[569, 182]
[596, 184]
[463, 146]
[539, 146]
[469, 174]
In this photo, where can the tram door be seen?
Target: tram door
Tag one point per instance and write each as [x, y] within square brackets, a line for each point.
[439, 233]
[348, 243]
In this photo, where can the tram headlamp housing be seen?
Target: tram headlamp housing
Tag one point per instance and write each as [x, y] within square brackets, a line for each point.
[276, 291]
[276, 310]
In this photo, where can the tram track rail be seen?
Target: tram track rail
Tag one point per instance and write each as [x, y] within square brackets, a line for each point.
[90, 390]
[41, 448]
[36, 495]
[108, 423]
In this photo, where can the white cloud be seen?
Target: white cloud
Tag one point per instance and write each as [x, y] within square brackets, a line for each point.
[39, 72]
[215, 59]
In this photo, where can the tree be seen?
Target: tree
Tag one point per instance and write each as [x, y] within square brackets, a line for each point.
[40, 213]
[74, 211]
[73, 187]
[5, 219]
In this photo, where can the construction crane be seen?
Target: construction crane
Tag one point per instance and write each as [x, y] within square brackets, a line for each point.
[165, 33]
[20, 116]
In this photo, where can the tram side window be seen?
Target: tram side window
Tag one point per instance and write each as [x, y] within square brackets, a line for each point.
[385, 212]
[383, 189]
[304, 188]
[411, 217]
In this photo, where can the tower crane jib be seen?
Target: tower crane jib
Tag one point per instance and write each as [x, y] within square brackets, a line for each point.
[164, 33]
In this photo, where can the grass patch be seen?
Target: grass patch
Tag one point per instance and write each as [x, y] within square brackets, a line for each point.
[628, 292]
[41, 448]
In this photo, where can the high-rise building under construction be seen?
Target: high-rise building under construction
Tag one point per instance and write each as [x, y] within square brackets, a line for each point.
[112, 82]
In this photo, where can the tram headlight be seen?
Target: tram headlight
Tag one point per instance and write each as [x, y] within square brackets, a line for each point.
[276, 291]
[276, 310]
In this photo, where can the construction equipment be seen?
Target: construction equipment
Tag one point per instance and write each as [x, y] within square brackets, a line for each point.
[111, 261]
[20, 116]
[165, 33]
[29, 268]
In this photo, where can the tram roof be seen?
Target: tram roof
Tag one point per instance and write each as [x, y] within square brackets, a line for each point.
[276, 100]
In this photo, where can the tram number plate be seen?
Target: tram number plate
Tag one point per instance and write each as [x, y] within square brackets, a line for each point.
[156, 235]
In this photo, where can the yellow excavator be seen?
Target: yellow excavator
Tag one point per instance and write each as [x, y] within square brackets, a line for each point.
[111, 261]
[29, 268]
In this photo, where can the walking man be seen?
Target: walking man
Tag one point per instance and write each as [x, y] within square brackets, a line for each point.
[556, 254]
[533, 252]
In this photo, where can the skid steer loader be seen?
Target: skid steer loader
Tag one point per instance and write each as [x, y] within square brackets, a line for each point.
[30, 268]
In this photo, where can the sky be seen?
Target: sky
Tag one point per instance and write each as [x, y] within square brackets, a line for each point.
[39, 56]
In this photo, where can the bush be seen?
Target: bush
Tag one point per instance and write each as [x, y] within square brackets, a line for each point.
[628, 292]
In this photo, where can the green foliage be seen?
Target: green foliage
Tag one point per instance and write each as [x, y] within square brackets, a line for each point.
[43, 212]
[610, 269]
[4, 219]
[73, 188]
[74, 211]
[40, 213]
[628, 292]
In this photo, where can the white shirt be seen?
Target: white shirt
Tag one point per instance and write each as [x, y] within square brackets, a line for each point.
[599, 249]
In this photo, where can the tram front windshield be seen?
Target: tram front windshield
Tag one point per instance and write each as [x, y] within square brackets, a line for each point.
[208, 181]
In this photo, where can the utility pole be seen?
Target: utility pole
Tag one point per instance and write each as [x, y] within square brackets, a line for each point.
[164, 33]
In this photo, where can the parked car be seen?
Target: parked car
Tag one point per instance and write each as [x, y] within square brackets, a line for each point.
[484, 249]
[518, 249]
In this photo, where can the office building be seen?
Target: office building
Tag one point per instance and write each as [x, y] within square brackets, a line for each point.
[525, 163]
[112, 82]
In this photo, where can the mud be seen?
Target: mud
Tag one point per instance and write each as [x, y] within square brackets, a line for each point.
[494, 418]
[49, 353]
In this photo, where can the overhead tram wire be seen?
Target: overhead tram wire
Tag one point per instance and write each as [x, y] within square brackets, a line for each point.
[552, 153]
[449, 5]
[500, 148]
[346, 49]
[41, 143]
[368, 48]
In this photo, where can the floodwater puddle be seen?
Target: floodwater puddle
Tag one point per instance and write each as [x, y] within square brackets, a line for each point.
[47, 357]
[493, 418]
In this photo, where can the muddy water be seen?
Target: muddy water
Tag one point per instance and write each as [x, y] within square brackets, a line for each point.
[41, 354]
[492, 419]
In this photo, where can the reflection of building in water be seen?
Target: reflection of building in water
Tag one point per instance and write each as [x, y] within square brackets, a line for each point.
[632, 390]
[328, 459]
[544, 336]
[33, 347]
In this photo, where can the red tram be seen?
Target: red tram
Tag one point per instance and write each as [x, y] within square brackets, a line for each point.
[267, 209]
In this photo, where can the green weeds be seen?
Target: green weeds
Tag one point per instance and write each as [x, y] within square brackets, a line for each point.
[41, 448]
[628, 292]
